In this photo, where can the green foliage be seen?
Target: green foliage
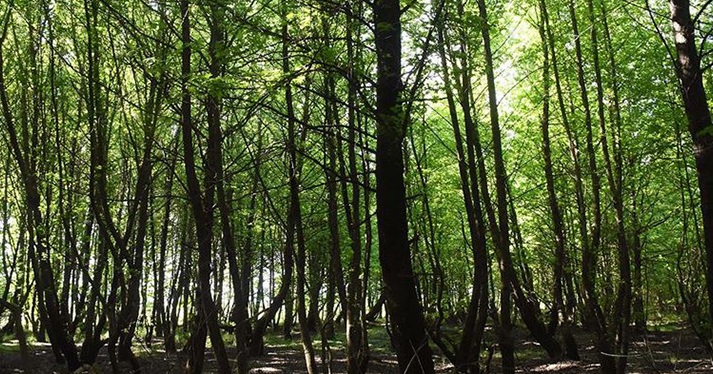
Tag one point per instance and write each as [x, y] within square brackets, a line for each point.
[138, 49]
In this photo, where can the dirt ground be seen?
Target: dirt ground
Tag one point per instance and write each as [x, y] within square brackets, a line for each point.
[657, 352]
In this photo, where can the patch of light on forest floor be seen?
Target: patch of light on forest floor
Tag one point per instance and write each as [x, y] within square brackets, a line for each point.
[265, 370]
[691, 362]
[531, 343]
[277, 357]
[444, 366]
[557, 366]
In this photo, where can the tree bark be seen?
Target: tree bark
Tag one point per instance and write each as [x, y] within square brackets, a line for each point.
[407, 324]
[468, 355]
[594, 314]
[202, 208]
[357, 347]
[698, 114]
[39, 237]
[570, 345]
[295, 230]
[511, 285]
[622, 310]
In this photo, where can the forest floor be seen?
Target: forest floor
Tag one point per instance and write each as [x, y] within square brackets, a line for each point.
[668, 350]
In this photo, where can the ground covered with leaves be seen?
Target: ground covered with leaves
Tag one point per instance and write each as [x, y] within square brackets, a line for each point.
[672, 350]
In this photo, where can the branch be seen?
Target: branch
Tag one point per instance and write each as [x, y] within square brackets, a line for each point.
[700, 11]
[660, 34]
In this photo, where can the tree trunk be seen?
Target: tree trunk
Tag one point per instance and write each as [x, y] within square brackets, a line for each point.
[468, 355]
[357, 349]
[202, 208]
[570, 346]
[698, 114]
[295, 229]
[622, 310]
[407, 324]
[529, 311]
[594, 313]
[336, 272]
[39, 240]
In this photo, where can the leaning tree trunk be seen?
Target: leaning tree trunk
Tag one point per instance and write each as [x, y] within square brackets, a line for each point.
[357, 347]
[622, 309]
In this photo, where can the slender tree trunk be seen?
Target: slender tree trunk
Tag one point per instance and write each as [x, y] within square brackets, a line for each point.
[595, 315]
[243, 317]
[258, 336]
[357, 349]
[161, 318]
[468, 355]
[215, 157]
[202, 208]
[638, 312]
[500, 231]
[336, 273]
[622, 308]
[577, 175]
[529, 311]
[39, 240]
[295, 229]
[570, 346]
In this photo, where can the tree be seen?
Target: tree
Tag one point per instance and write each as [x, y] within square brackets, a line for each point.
[38, 251]
[560, 307]
[407, 324]
[690, 76]
[202, 207]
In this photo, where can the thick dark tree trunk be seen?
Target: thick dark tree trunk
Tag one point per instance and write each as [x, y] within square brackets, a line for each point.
[698, 114]
[406, 317]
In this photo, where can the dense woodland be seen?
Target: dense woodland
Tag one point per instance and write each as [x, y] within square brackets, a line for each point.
[202, 178]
